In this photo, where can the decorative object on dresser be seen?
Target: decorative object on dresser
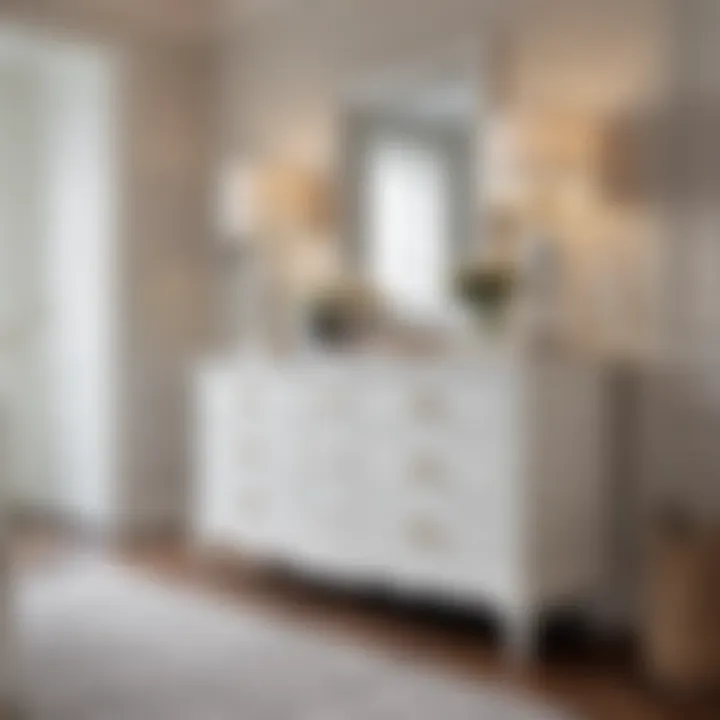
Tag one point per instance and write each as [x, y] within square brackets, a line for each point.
[479, 481]
[682, 605]
[487, 291]
[340, 314]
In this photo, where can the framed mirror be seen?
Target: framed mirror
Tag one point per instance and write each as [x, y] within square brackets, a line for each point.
[411, 154]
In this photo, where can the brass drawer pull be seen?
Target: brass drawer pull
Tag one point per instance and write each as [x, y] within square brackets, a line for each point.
[426, 534]
[429, 405]
[428, 472]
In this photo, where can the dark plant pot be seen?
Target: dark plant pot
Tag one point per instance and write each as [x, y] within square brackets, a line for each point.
[331, 328]
[487, 293]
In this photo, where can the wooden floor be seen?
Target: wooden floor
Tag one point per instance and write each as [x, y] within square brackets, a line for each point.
[597, 683]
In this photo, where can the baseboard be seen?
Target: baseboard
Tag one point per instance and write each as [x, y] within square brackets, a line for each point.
[152, 533]
[60, 524]
[93, 532]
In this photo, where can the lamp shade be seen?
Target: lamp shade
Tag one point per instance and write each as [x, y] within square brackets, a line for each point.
[278, 198]
[295, 200]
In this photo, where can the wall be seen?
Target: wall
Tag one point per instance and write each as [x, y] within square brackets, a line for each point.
[682, 397]
[165, 122]
[22, 290]
[289, 72]
[167, 266]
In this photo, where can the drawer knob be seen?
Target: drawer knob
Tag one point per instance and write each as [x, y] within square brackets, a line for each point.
[428, 405]
[425, 534]
[428, 472]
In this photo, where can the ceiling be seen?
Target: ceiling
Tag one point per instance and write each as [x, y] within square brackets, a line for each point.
[171, 19]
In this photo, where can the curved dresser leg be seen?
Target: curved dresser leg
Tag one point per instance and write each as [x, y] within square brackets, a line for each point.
[521, 636]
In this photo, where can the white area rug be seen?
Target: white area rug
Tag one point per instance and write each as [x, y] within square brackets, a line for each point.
[101, 643]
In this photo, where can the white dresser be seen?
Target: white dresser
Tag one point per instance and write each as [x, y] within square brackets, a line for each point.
[477, 480]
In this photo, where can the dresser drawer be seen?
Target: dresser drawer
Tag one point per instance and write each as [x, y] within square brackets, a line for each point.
[432, 551]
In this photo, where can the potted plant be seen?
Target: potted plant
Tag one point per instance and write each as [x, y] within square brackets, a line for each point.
[340, 314]
[486, 290]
